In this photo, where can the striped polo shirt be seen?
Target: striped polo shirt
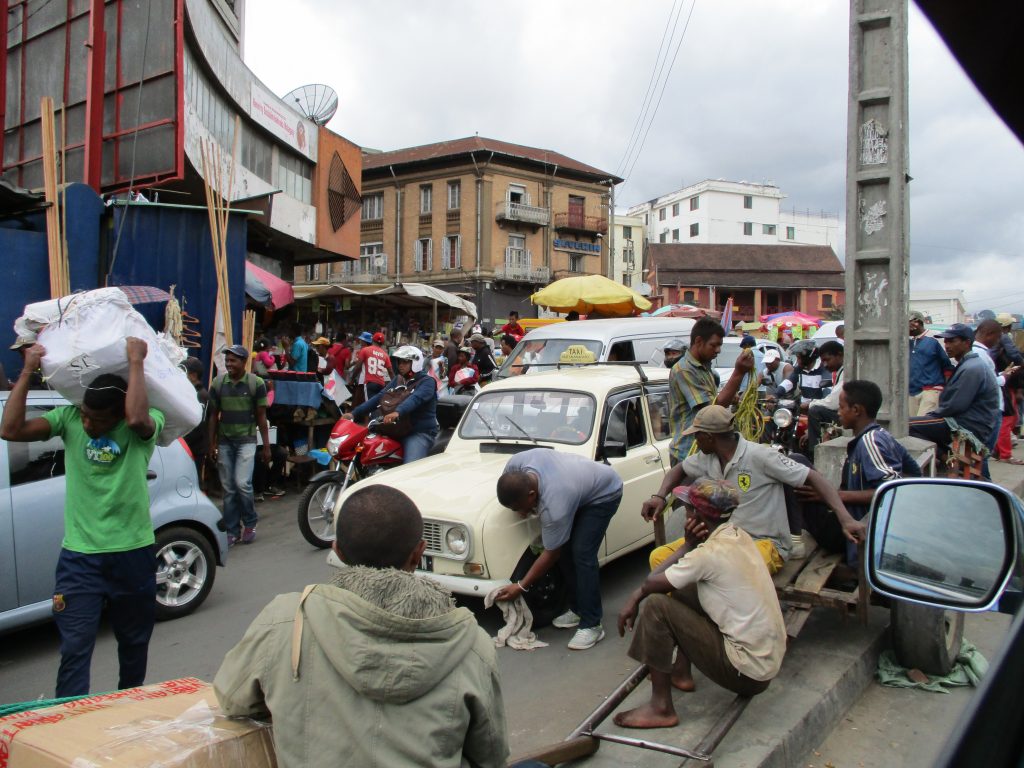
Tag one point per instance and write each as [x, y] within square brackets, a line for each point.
[692, 385]
[237, 401]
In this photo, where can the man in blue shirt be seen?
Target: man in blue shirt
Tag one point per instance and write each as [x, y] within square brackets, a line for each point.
[299, 352]
[929, 368]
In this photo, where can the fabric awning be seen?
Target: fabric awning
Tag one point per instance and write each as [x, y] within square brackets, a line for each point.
[267, 289]
[401, 295]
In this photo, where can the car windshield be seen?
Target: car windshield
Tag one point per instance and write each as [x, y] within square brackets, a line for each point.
[541, 355]
[551, 416]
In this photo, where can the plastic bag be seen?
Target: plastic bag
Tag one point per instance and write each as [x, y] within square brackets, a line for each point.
[84, 336]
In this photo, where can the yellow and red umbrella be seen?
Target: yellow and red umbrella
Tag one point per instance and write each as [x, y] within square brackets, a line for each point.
[591, 294]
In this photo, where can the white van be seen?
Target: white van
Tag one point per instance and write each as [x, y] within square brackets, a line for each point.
[625, 339]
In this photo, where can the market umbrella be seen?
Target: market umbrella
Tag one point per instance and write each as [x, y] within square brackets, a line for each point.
[792, 317]
[685, 310]
[589, 294]
[267, 289]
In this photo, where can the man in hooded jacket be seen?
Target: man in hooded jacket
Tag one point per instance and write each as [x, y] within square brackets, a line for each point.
[378, 666]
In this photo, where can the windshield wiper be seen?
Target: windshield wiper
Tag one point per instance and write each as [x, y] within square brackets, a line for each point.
[486, 424]
[525, 433]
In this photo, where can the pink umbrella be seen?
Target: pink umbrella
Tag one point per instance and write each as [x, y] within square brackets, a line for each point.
[280, 292]
[790, 318]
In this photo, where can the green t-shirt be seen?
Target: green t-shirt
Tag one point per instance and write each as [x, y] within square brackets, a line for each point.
[106, 506]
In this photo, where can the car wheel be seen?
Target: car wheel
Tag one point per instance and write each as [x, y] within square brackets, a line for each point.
[926, 638]
[185, 570]
[316, 511]
[546, 598]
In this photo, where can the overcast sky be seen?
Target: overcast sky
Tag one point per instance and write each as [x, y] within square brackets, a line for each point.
[757, 93]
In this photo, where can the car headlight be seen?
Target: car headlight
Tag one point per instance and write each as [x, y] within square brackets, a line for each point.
[457, 540]
[783, 417]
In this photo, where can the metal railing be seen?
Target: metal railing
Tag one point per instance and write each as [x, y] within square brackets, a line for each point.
[506, 210]
[518, 266]
[581, 222]
[355, 272]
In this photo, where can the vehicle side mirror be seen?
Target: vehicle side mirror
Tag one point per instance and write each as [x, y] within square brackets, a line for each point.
[942, 543]
[613, 449]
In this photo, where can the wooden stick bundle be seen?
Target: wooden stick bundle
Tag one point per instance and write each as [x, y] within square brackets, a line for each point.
[248, 334]
[59, 281]
[218, 217]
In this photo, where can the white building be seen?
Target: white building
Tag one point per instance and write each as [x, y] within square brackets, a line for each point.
[943, 307]
[628, 252]
[718, 211]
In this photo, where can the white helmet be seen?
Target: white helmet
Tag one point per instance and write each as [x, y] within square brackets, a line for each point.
[411, 353]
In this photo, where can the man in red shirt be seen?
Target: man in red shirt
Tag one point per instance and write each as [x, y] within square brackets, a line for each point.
[374, 366]
[338, 356]
[512, 327]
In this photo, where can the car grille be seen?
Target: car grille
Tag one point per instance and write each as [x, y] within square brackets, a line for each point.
[433, 534]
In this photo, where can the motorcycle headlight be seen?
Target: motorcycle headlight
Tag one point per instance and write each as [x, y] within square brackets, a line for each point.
[334, 444]
[783, 417]
[457, 540]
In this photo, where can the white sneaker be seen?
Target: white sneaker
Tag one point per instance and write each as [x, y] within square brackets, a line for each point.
[797, 551]
[567, 620]
[586, 638]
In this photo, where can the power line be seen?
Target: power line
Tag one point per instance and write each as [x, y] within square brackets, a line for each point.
[664, 84]
[26, 16]
[651, 85]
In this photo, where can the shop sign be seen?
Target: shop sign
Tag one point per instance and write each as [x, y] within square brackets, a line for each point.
[576, 245]
[295, 131]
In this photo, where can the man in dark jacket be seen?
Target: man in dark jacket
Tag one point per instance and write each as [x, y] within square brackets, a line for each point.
[420, 407]
[970, 398]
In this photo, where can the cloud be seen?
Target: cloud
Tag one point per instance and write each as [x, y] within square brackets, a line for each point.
[757, 92]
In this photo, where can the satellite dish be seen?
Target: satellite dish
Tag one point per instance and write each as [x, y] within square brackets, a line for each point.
[316, 101]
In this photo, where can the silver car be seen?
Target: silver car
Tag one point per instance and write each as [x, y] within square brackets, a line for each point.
[190, 544]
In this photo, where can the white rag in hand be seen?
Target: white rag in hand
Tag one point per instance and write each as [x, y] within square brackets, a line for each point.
[517, 633]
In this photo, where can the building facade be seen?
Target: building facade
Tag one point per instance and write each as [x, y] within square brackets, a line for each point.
[718, 211]
[944, 307]
[628, 250]
[760, 279]
[481, 218]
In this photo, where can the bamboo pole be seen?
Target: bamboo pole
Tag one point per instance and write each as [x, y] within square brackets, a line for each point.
[50, 191]
[211, 176]
[65, 263]
[248, 334]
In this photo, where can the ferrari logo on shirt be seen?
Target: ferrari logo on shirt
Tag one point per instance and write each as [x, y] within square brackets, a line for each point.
[743, 481]
[58, 603]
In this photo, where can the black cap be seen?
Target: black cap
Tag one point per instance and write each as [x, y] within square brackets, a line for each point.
[958, 331]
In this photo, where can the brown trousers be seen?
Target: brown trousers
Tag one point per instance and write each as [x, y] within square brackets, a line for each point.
[666, 621]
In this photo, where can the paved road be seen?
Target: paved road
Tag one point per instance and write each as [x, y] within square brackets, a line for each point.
[547, 691]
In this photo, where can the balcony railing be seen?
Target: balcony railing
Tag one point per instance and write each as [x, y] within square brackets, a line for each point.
[530, 214]
[518, 267]
[581, 222]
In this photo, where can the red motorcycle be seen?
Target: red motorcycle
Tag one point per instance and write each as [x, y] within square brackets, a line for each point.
[357, 452]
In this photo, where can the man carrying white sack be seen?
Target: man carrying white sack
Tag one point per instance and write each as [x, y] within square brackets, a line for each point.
[107, 556]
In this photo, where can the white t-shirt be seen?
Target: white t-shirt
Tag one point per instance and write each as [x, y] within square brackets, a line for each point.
[737, 594]
[759, 472]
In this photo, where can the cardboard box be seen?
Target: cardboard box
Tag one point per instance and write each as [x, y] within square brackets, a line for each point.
[175, 724]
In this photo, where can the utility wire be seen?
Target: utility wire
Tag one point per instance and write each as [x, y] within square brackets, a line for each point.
[26, 16]
[664, 84]
[651, 87]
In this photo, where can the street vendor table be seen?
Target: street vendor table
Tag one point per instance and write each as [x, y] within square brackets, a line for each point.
[299, 393]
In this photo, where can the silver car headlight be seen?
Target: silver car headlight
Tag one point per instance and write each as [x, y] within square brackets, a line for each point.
[783, 417]
[457, 540]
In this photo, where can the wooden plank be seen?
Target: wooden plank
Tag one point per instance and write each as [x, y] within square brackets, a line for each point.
[795, 618]
[813, 577]
[791, 570]
[562, 752]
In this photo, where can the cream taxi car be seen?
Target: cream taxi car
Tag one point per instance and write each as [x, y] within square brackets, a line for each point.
[612, 413]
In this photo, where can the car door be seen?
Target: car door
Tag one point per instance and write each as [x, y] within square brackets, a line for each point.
[8, 576]
[35, 472]
[641, 469]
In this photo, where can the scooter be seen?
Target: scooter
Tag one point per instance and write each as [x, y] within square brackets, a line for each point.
[359, 453]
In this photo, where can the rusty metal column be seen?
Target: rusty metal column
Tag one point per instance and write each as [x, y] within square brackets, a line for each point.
[94, 89]
[877, 211]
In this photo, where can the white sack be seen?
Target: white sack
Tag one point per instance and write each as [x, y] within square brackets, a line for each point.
[85, 336]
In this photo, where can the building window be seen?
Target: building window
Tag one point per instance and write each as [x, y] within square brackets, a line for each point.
[371, 259]
[312, 272]
[675, 209]
[675, 235]
[294, 177]
[373, 207]
[454, 195]
[748, 201]
[748, 228]
[689, 297]
[694, 229]
[517, 194]
[767, 229]
[426, 198]
[575, 262]
[826, 301]
[791, 233]
[663, 237]
[451, 252]
[627, 233]
[661, 214]
[695, 202]
[257, 154]
[423, 255]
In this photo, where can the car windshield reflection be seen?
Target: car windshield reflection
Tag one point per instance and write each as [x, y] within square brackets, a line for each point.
[543, 415]
[543, 355]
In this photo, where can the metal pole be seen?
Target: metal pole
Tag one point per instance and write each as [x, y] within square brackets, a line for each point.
[877, 211]
[94, 79]
[608, 706]
[611, 229]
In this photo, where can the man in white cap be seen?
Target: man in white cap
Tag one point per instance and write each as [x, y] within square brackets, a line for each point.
[774, 371]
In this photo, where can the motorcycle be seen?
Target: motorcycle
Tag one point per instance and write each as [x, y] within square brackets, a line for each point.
[360, 452]
[785, 425]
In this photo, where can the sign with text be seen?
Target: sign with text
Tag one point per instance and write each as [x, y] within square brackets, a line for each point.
[576, 245]
[295, 131]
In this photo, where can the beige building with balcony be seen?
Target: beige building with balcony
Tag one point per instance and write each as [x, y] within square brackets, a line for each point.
[481, 218]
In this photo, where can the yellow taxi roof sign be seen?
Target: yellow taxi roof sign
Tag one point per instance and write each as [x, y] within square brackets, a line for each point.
[577, 354]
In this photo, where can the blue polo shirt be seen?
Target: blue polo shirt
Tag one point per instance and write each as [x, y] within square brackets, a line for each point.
[300, 349]
[928, 363]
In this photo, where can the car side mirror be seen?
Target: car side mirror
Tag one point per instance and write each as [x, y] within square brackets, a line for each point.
[942, 543]
[613, 449]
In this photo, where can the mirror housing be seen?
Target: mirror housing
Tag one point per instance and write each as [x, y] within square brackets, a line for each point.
[613, 449]
[943, 543]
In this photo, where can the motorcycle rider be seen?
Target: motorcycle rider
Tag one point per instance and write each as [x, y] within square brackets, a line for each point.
[805, 378]
[673, 350]
[420, 407]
